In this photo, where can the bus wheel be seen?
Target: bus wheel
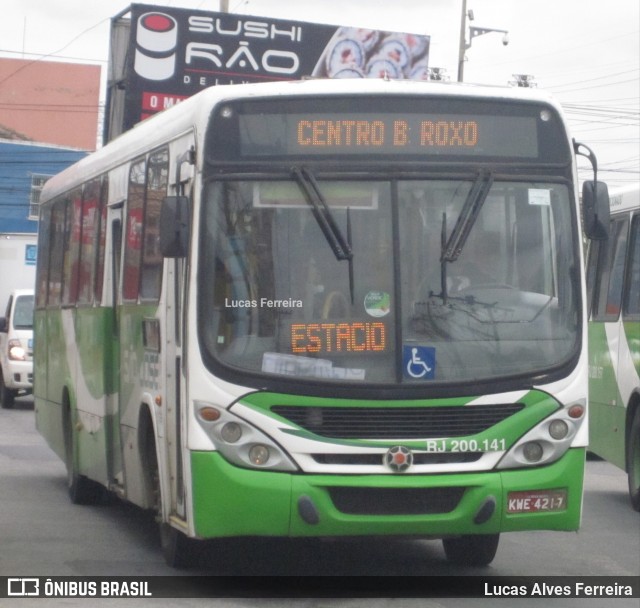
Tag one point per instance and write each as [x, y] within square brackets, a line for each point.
[6, 394]
[471, 550]
[178, 549]
[633, 461]
[81, 489]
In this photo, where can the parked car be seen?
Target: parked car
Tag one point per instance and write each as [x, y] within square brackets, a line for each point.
[16, 347]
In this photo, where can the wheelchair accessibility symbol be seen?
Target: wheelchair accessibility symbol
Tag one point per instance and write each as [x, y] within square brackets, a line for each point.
[419, 362]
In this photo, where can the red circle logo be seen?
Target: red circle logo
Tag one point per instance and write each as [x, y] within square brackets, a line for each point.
[157, 22]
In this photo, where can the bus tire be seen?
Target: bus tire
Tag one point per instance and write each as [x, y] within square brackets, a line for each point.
[81, 489]
[633, 461]
[472, 549]
[7, 396]
[178, 550]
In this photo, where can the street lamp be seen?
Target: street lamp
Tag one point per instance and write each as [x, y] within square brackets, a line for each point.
[474, 32]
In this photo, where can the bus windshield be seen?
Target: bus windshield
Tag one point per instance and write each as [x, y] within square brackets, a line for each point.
[440, 283]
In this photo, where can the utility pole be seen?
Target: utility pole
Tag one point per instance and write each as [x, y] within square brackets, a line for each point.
[463, 43]
[473, 33]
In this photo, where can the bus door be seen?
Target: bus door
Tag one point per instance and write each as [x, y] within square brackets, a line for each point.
[143, 407]
[174, 290]
[111, 297]
[174, 398]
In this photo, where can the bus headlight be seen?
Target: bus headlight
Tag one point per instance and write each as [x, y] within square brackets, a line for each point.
[545, 442]
[532, 451]
[240, 442]
[231, 432]
[558, 429]
[259, 455]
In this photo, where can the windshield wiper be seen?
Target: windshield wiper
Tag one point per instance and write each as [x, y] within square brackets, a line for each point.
[467, 218]
[451, 248]
[340, 245]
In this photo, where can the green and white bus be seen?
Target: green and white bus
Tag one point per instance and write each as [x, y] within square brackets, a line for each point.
[323, 309]
[614, 340]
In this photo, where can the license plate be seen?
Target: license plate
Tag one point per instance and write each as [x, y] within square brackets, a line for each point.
[534, 501]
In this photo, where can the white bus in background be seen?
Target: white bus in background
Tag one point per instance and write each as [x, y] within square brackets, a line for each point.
[613, 270]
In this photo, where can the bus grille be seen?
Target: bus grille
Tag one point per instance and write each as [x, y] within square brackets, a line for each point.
[395, 501]
[397, 423]
[419, 458]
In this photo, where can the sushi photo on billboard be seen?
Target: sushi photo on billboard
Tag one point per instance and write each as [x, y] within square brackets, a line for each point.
[363, 53]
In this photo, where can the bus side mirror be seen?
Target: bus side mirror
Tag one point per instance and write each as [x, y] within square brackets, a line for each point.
[174, 227]
[3, 325]
[595, 210]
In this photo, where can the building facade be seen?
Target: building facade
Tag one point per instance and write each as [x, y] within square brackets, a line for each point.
[24, 168]
[50, 102]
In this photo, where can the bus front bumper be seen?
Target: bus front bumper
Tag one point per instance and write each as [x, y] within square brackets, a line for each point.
[230, 501]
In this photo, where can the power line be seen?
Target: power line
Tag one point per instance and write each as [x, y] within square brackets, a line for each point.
[568, 49]
[597, 78]
[39, 57]
[61, 108]
[631, 100]
[603, 85]
[42, 57]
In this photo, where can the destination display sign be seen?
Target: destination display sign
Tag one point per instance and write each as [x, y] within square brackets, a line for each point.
[387, 133]
[338, 337]
[417, 126]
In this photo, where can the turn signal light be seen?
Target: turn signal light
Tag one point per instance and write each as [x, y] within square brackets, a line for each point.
[209, 414]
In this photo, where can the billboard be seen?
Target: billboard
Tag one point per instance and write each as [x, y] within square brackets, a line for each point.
[172, 53]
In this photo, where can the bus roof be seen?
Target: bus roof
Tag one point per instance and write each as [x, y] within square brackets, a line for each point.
[183, 117]
[624, 199]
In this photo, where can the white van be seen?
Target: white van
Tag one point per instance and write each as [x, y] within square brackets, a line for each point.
[16, 347]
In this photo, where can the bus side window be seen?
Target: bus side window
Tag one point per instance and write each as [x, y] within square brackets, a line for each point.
[102, 238]
[632, 280]
[133, 231]
[156, 189]
[57, 251]
[90, 220]
[73, 230]
[611, 273]
[44, 257]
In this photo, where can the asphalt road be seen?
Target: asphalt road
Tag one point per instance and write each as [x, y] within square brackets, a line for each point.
[43, 534]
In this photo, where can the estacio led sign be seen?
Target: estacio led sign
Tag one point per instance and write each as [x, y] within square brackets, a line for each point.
[174, 53]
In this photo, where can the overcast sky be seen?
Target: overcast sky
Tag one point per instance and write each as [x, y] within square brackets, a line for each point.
[587, 53]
